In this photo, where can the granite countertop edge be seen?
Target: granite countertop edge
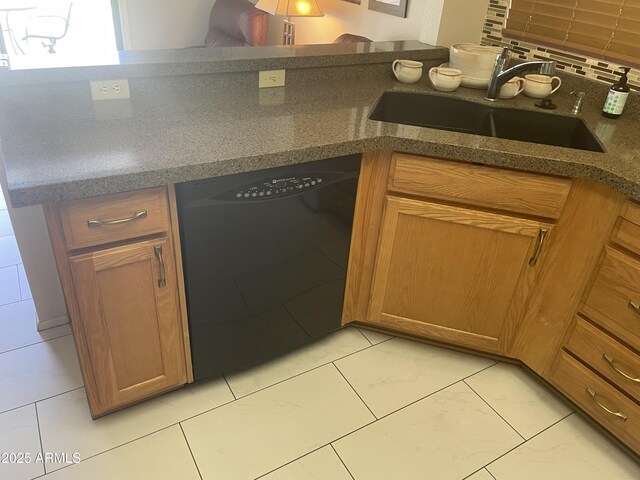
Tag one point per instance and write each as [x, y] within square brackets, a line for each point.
[64, 191]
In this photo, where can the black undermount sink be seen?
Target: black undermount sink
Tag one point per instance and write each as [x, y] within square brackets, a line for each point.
[458, 115]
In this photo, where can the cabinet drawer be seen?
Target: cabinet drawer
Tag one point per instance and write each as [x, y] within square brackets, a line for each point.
[626, 232]
[615, 291]
[111, 218]
[509, 190]
[573, 379]
[605, 355]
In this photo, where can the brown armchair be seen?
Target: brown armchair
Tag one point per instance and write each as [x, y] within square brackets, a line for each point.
[235, 23]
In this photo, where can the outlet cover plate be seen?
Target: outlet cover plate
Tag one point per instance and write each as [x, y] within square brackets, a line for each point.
[109, 89]
[271, 78]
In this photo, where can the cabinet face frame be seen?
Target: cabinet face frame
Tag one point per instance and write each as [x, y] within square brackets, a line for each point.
[530, 229]
[62, 254]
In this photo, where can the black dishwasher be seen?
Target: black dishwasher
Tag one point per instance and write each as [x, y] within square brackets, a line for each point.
[265, 259]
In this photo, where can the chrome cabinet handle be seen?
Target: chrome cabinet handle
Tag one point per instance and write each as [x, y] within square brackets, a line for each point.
[635, 306]
[609, 360]
[162, 281]
[96, 222]
[592, 394]
[542, 234]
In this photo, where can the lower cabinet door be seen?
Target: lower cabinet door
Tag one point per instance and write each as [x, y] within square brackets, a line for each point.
[130, 315]
[454, 274]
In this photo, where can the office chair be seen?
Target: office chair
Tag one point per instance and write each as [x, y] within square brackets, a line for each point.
[49, 28]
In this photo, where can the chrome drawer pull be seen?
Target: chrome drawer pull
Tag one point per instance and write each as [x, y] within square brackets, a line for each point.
[542, 234]
[609, 360]
[592, 394]
[635, 306]
[96, 222]
[162, 281]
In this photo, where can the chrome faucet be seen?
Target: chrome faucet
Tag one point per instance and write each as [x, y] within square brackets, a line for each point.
[500, 76]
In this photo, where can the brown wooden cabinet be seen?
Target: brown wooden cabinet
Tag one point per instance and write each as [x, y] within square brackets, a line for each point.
[121, 276]
[458, 249]
[598, 366]
[454, 274]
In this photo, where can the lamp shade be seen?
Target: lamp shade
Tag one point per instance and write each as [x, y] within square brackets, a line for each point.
[291, 8]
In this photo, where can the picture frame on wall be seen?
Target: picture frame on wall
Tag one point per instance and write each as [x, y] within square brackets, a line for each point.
[390, 7]
[357, 2]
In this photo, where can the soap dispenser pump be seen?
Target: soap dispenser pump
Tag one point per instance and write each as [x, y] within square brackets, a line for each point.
[617, 97]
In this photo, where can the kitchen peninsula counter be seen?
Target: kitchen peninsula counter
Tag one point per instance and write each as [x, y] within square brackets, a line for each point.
[58, 144]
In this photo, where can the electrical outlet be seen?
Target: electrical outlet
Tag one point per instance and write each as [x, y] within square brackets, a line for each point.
[109, 89]
[271, 78]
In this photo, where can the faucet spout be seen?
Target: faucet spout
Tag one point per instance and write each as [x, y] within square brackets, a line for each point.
[500, 76]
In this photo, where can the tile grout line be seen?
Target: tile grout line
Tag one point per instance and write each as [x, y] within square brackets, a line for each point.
[365, 337]
[491, 474]
[495, 411]
[37, 343]
[40, 400]
[229, 387]
[291, 461]
[113, 448]
[44, 464]
[342, 461]
[435, 391]
[12, 303]
[354, 390]
[190, 451]
[19, 282]
[306, 371]
[525, 442]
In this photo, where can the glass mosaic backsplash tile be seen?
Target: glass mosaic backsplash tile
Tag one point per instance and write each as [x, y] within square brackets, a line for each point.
[568, 62]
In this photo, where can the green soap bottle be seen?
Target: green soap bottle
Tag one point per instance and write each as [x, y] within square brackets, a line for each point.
[617, 97]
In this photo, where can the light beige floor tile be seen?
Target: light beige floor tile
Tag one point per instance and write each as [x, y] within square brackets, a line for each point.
[38, 371]
[66, 425]
[18, 326]
[322, 464]
[395, 373]
[162, 456]
[25, 291]
[519, 399]
[19, 435]
[481, 475]
[260, 432]
[9, 253]
[5, 224]
[331, 347]
[570, 449]
[450, 435]
[9, 286]
[375, 337]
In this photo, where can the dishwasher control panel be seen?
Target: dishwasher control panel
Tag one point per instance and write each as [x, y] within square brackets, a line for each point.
[278, 187]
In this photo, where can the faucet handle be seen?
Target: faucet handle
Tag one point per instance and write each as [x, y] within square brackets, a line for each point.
[578, 103]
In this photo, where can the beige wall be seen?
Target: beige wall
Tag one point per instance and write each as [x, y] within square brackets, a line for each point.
[35, 249]
[453, 21]
[153, 24]
[344, 17]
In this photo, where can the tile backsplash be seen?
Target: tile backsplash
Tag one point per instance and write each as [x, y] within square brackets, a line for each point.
[575, 63]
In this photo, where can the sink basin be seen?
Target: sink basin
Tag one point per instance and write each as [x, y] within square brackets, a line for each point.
[458, 115]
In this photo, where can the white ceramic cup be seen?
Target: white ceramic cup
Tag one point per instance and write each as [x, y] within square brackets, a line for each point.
[407, 71]
[540, 86]
[445, 79]
[512, 88]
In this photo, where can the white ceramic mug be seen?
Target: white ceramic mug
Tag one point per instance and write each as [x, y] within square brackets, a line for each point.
[512, 88]
[540, 86]
[445, 79]
[407, 71]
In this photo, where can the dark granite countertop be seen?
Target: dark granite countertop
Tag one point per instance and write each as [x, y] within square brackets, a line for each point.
[176, 129]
